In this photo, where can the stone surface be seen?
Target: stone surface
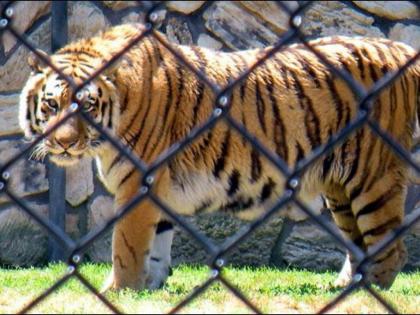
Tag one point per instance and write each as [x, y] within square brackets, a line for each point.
[178, 32]
[25, 13]
[27, 177]
[22, 241]
[412, 241]
[269, 12]
[100, 211]
[254, 251]
[134, 17]
[207, 41]
[308, 246]
[9, 109]
[79, 182]
[119, 5]
[85, 20]
[326, 18]
[72, 225]
[185, 7]
[14, 73]
[409, 34]
[237, 28]
[393, 10]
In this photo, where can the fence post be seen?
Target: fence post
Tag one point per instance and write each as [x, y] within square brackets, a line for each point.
[57, 175]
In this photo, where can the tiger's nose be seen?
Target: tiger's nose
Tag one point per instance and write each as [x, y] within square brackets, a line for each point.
[66, 143]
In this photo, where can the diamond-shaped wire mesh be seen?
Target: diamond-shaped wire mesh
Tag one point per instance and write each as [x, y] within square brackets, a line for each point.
[222, 104]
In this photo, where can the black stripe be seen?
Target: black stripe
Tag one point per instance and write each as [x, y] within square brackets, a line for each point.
[134, 137]
[233, 182]
[338, 102]
[198, 100]
[312, 123]
[260, 106]
[256, 166]
[378, 203]
[326, 165]
[111, 108]
[300, 152]
[164, 226]
[385, 227]
[238, 205]
[219, 165]
[356, 192]
[357, 56]
[158, 55]
[340, 208]
[355, 163]
[308, 68]
[278, 125]
[282, 70]
[167, 107]
[383, 258]
[242, 65]
[126, 177]
[201, 87]
[267, 190]
[202, 207]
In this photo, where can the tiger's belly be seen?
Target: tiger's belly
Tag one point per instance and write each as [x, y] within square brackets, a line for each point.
[203, 192]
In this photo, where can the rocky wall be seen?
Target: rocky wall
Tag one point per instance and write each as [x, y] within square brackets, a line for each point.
[221, 25]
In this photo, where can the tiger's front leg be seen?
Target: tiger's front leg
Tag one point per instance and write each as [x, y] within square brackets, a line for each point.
[132, 240]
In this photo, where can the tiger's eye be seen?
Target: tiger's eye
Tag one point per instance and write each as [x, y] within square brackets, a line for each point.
[88, 107]
[52, 104]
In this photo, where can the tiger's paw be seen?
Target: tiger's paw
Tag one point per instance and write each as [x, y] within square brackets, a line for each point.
[159, 272]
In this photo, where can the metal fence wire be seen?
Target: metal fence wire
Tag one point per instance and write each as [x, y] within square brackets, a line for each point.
[74, 249]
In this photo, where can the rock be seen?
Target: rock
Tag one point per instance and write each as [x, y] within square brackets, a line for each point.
[308, 246]
[254, 251]
[100, 211]
[79, 182]
[85, 20]
[160, 18]
[207, 41]
[72, 228]
[412, 241]
[134, 17]
[178, 32]
[27, 177]
[23, 242]
[9, 109]
[327, 18]
[237, 28]
[409, 34]
[393, 10]
[25, 13]
[185, 7]
[120, 5]
[269, 12]
[15, 71]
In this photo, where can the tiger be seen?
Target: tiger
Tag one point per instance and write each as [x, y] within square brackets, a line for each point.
[149, 101]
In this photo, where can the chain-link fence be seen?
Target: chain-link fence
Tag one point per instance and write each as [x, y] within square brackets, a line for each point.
[74, 249]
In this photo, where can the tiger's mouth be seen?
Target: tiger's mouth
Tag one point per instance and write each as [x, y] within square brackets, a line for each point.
[66, 159]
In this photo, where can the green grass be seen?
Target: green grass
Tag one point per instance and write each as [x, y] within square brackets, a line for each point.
[272, 290]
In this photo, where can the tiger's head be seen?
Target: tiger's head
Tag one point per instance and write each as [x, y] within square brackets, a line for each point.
[46, 99]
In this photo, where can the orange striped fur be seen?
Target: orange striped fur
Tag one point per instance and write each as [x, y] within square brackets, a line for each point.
[292, 104]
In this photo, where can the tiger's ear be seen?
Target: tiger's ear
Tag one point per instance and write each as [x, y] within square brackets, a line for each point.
[110, 71]
[35, 62]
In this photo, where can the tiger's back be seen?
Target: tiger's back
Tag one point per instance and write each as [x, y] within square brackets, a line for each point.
[292, 104]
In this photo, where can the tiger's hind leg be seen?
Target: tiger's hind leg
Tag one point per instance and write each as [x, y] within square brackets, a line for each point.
[379, 208]
[340, 208]
[160, 256]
